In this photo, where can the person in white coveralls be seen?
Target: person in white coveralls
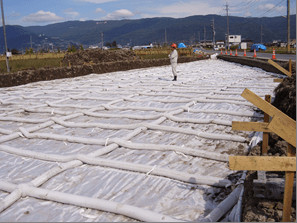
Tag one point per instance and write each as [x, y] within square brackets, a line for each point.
[173, 60]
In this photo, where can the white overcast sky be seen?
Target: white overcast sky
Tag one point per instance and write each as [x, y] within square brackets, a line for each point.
[42, 12]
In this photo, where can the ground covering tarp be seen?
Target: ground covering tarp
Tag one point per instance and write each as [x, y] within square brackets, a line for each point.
[181, 45]
[258, 47]
[125, 146]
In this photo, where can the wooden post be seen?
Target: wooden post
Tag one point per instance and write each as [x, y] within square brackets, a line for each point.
[290, 66]
[288, 194]
[265, 134]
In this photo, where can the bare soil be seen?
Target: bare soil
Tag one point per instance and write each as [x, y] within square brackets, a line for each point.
[95, 56]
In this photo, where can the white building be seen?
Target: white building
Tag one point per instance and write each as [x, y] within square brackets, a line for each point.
[234, 39]
[219, 45]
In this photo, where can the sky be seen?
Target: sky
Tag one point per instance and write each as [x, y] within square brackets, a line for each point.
[43, 12]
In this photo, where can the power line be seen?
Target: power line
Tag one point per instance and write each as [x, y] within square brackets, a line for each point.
[273, 7]
[241, 24]
[244, 4]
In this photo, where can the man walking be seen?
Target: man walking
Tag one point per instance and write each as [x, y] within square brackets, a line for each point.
[173, 60]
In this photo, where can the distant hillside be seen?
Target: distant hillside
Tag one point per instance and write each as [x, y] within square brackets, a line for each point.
[145, 31]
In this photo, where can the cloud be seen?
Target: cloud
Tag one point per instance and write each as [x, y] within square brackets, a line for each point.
[71, 13]
[248, 14]
[270, 6]
[119, 14]
[42, 17]
[99, 10]
[182, 9]
[98, 1]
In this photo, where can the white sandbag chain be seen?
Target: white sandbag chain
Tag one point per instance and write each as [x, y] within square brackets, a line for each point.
[57, 110]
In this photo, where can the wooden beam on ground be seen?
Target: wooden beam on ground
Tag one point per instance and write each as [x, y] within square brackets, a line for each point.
[280, 68]
[278, 80]
[261, 104]
[250, 126]
[284, 128]
[264, 163]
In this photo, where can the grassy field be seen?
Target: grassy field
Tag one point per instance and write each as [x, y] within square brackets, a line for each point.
[156, 53]
[25, 64]
[34, 56]
[31, 61]
[280, 50]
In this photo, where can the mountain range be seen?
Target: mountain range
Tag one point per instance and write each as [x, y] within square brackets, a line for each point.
[145, 31]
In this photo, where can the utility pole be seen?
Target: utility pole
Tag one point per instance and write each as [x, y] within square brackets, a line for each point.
[4, 32]
[288, 16]
[261, 34]
[204, 36]
[213, 33]
[165, 37]
[102, 40]
[227, 10]
[31, 41]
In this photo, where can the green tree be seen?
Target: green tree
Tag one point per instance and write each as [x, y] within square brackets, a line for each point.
[108, 44]
[114, 44]
[71, 49]
[15, 51]
[29, 51]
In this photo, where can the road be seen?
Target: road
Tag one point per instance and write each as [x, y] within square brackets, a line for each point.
[260, 55]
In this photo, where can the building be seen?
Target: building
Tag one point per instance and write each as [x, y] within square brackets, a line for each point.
[219, 45]
[234, 39]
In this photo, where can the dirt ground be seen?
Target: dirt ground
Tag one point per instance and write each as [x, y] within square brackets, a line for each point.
[95, 56]
[267, 210]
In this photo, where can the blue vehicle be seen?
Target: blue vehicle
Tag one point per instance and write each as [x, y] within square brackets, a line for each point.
[258, 47]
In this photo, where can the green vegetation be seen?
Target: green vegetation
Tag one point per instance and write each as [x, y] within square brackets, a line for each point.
[161, 53]
[29, 64]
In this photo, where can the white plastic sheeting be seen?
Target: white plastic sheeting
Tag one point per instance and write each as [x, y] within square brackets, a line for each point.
[125, 146]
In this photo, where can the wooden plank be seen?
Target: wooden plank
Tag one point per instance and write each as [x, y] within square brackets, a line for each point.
[289, 184]
[284, 128]
[265, 134]
[250, 126]
[280, 68]
[264, 163]
[260, 103]
[283, 125]
[278, 80]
